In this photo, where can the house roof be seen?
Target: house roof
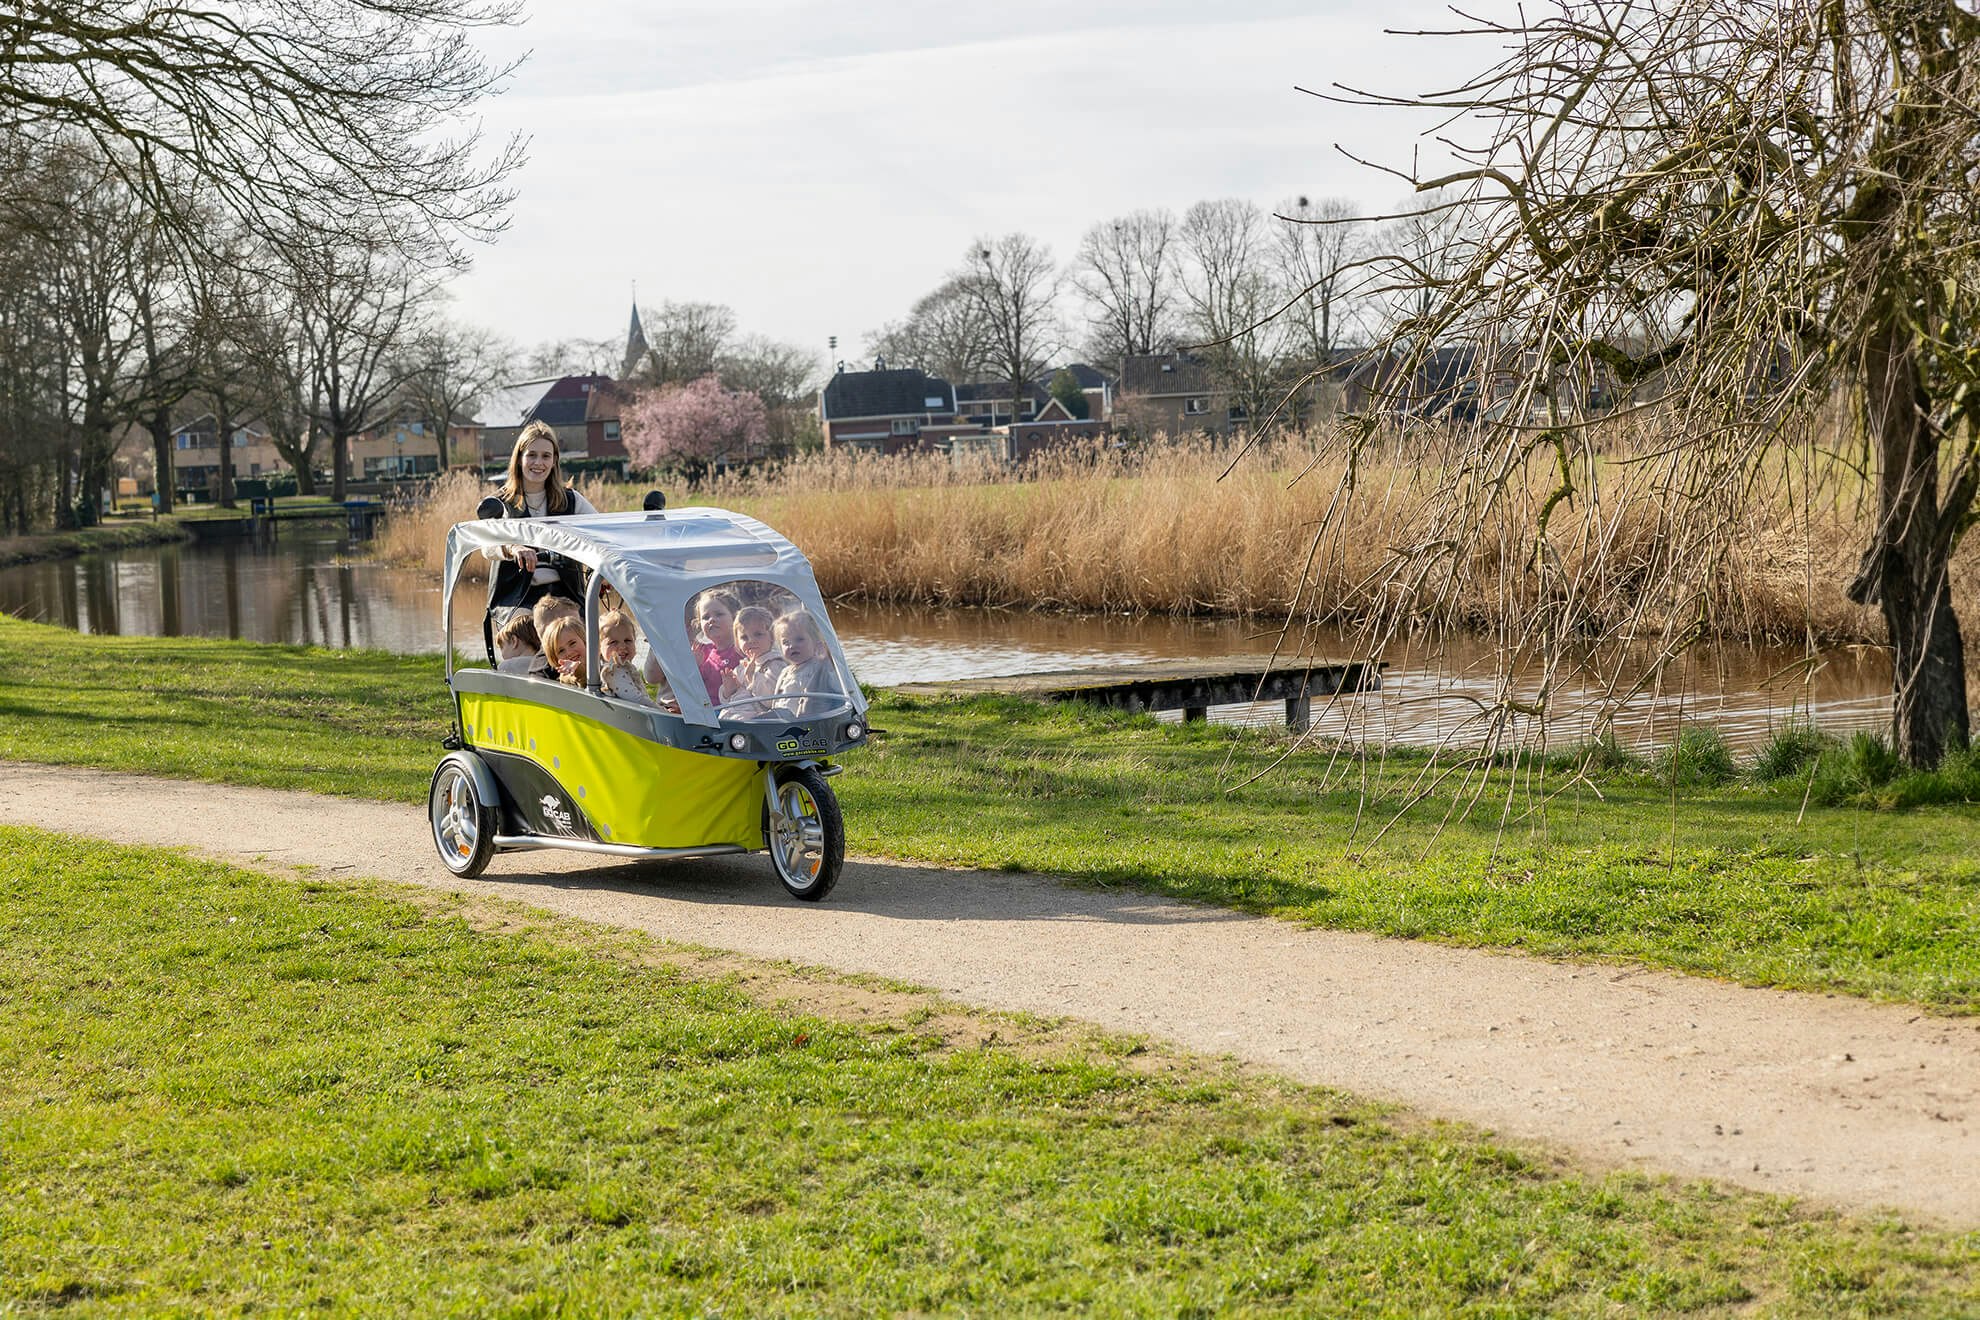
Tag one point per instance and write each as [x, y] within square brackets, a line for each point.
[1164, 373]
[1089, 377]
[510, 405]
[894, 392]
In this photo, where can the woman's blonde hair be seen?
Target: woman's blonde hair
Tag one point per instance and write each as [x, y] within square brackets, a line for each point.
[554, 637]
[556, 495]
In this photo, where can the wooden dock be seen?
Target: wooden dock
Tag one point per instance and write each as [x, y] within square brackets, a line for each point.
[1190, 687]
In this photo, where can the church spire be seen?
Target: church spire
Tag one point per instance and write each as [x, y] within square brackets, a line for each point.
[635, 342]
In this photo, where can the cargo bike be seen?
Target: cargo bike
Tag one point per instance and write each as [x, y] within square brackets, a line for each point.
[535, 763]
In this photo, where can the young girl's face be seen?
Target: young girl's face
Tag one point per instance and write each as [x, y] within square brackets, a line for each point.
[717, 622]
[539, 460]
[573, 651]
[618, 645]
[754, 638]
[798, 643]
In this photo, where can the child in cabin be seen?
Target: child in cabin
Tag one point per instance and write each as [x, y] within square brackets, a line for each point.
[762, 664]
[617, 642]
[547, 611]
[715, 627]
[517, 644]
[563, 650]
[808, 666]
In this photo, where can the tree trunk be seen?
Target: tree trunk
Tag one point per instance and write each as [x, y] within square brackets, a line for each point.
[223, 424]
[162, 477]
[340, 466]
[1928, 656]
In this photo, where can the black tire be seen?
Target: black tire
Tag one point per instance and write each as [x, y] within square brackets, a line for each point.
[463, 824]
[806, 835]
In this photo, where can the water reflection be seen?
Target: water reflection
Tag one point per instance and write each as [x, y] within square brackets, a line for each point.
[314, 586]
[310, 586]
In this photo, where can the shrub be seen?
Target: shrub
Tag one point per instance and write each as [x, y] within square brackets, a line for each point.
[1699, 758]
[1854, 771]
[1790, 752]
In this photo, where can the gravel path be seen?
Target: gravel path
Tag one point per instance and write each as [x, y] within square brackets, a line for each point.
[1854, 1104]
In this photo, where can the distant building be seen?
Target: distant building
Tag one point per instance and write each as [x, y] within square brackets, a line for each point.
[888, 410]
[196, 453]
[1173, 394]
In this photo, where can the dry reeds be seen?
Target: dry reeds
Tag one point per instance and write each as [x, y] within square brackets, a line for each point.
[1167, 530]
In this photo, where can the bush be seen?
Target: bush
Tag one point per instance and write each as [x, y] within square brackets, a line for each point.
[1790, 752]
[1699, 758]
[1865, 772]
[1853, 771]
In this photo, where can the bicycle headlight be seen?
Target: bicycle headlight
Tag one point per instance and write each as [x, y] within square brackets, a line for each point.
[738, 742]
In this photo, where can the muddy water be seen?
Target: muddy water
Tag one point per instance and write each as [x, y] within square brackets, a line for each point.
[313, 586]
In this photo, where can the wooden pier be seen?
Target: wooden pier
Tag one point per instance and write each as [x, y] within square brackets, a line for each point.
[1190, 687]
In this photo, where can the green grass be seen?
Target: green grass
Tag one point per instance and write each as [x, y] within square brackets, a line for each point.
[227, 1093]
[1738, 880]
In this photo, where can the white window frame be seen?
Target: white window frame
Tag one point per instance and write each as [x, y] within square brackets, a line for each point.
[1196, 407]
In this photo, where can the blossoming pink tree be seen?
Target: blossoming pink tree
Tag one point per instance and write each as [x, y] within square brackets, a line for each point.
[687, 427]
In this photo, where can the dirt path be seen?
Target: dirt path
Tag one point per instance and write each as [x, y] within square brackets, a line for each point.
[1851, 1103]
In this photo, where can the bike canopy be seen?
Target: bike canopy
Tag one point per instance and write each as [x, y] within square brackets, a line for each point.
[660, 562]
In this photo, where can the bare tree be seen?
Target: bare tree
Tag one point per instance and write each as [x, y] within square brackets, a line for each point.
[1230, 298]
[1125, 271]
[1013, 285]
[338, 115]
[1739, 214]
[448, 369]
[778, 373]
[1320, 246]
[95, 268]
[685, 341]
[359, 306]
[570, 357]
[945, 334]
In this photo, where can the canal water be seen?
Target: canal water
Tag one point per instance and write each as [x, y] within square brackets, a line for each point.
[315, 586]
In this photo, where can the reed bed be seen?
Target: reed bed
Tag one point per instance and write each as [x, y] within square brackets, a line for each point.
[1168, 529]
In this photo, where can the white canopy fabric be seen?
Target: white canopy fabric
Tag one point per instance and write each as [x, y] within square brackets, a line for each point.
[659, 562]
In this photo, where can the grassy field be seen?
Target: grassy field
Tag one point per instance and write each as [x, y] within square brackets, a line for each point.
[226, 1093]
[1738, 881]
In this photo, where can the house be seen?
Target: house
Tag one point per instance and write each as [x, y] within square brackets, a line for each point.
[1096, 385]
[889, 410]
[1052, 427]
[196, 453]
[403, 444]
[988, 402]
[601, 421]
[1173, 394]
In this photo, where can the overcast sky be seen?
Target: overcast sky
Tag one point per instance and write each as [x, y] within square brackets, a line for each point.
[818, 167]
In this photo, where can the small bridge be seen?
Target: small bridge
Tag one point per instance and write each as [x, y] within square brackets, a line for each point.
[1191, 687]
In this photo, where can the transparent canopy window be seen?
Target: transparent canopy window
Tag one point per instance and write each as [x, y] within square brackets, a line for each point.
[763, 655]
